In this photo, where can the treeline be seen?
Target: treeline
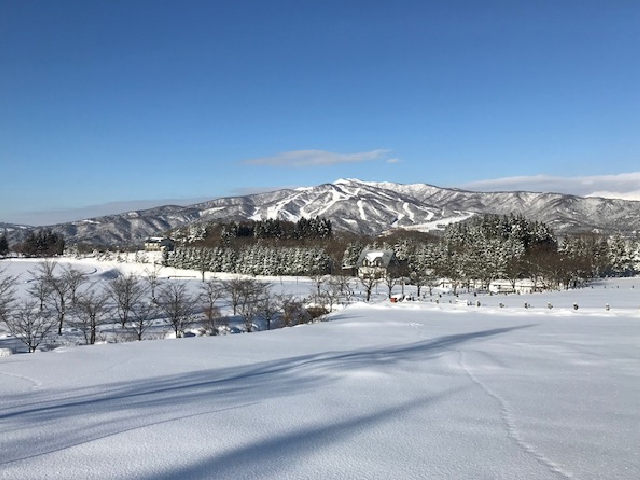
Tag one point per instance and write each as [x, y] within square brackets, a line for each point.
[482, 249]
[39, 243]
[470, 253]
[253, 260]
[599, 255]
[488, 229]
[4, 245]
[133, 306]
[473, 252]
[240, 233]
[260, 247]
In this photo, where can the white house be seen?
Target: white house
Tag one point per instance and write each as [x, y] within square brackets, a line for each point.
[152, 244]
[374, 263]
[524, 285]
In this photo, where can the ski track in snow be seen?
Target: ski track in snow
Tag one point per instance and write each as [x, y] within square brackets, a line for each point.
[274, 211]
[512, 431]
[335, 198]
[36, 384]
[384, 206]
[407, 209]
[420, 328]
[361, 210]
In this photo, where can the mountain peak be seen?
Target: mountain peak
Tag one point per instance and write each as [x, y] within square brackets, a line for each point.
[363, 207]
[351, 181]
[346, 181]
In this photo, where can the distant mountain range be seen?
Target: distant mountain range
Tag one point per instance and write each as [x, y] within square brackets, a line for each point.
[359, 206]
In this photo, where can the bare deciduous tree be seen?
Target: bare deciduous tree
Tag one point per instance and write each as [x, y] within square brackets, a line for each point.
[58, 288]
[91, 309]
[250, 292]
[268, 307]
[45, 269]
[346, 284]
[142, 318]
[233, 288]
[177, 304]
[514, 270]
[432, 281]
[31, 325]
[293, 311]
[212, 320]
[369, 282]
[318, 280]
[331, 293]
[73, 279]
[210, 292]
[153, 279]
[127, 291]
[41, 290]
[7, 294]
[390, 280]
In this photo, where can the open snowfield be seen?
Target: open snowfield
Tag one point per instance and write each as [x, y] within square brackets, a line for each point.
[413, 390]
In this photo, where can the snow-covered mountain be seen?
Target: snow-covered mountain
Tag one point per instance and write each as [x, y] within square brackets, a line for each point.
[10, 227]
[366, 207]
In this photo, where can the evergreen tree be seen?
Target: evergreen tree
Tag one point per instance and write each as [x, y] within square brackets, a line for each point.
[43, 243]
[620, 255]
[4, 245]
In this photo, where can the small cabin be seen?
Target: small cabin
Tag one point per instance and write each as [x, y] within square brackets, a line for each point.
[375, 263]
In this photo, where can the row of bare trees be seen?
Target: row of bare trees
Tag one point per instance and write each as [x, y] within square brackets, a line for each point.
[62, 296]
[250, 299]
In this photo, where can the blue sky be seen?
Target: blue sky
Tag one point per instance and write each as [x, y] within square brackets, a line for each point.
[111, 105]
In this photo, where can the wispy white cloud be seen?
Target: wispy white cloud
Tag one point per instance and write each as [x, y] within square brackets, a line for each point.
[393, 160]
[307, 158]
[625, 186]
[634, 195]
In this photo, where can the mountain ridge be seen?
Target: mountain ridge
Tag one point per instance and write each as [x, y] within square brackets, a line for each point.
[360, 206]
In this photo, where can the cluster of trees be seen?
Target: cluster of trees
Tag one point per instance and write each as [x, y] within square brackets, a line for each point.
[600, 255]
[61, 296]
[252, 260]
[4, 245]
[240, 233]
[513, 228]
[51, 295]
[478, 251]
[41, 243]
[482, 249]
[470, 253]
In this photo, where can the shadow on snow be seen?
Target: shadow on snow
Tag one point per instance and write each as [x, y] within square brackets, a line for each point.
[47, 421]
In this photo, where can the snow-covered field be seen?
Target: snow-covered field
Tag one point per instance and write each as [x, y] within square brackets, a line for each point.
[382, 391]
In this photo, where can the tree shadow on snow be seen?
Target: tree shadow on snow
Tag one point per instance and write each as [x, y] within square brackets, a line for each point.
[267, 455]
[44, 422]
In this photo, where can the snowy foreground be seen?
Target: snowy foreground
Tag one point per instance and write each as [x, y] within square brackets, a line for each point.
[381, 391]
